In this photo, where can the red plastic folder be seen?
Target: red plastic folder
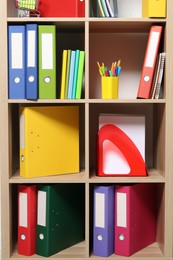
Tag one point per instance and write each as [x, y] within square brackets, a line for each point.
[127, 147]
[135, 218]
[27, 217]
[62, 8]
[149, 62]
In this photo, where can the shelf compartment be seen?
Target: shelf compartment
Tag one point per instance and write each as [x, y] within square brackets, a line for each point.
[69, 36]
[77, 251]
[110, 42]
[14, 144]
[154, 250]
[154, 128]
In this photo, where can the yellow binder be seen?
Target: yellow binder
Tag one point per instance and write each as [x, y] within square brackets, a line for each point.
[153, 8]
[49, 140]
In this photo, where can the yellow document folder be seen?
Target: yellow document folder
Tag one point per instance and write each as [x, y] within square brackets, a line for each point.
[153, 8]
[49, 140]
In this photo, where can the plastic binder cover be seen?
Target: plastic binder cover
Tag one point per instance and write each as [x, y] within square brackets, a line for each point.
[49, 140]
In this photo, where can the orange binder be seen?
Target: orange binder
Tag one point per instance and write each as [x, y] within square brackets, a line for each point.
[149, 62]
[27, 219]
[64, 8]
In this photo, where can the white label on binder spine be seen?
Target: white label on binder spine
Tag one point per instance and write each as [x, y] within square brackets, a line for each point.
[152, 49]
[121, 209]
[100, 210]
[23, 209]
[41, 210]
[16, 50]
[31, 49]
[47, 51]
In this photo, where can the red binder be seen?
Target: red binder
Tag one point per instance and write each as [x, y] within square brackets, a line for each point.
[149, 62]
[135, 217]
[27, 217]
[62, 8]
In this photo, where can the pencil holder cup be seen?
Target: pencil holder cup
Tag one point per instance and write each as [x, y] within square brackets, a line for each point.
[109, 87]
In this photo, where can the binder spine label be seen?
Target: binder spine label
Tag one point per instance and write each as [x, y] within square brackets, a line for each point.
[41, 214]
[47, 43]
[100, 210]
[31, 49]
[152, 49]
[17, 49]
[121, 209]
[23, 210]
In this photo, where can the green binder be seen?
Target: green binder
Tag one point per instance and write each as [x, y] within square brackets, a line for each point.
[47, 61]
[60, 217]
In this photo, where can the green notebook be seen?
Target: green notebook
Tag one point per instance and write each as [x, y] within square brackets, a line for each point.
[60, 217]
[80, 74]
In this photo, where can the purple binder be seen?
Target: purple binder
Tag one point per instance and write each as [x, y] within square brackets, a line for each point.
[103, 229]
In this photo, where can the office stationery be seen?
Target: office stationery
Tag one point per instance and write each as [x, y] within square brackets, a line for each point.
[49, 134]
[104, 8]
[31, 61]
[121, 145]
[110, 71]
[135, 217]
[154, 8]
[16, 62]
[75, 74]
[63, 74]
[65, 8]
[158, 80]
[101, 12]
[71, 74]
[27, 215]
[103, 230]
[47, 61]
[149, 62]
[67, 72]
[109, 87]
[80, 74]
[60, 217]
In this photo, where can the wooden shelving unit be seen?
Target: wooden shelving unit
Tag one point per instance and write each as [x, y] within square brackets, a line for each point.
[101, 39]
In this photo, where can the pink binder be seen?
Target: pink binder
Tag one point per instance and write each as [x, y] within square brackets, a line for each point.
[135, 218]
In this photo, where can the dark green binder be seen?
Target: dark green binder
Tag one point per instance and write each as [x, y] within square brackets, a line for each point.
[61, 217]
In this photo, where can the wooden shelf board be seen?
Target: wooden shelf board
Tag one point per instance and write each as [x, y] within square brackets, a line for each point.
[153, 177]
[152, 251]
[74, 177]
[128, 101]
[49, 101]
[71, 101]
[75, 252]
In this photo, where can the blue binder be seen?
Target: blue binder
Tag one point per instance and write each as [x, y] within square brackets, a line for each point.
[71, 75]
[31, 61]
[16, 62]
